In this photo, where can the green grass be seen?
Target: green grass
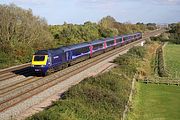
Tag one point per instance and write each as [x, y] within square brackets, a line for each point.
[172, 59]
[156, 102]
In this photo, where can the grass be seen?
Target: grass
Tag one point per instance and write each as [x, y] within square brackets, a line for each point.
[156, 102]
[172, 59]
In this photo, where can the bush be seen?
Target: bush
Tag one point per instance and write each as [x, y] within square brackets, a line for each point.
[139, 51]
[129, 62]
[124, 59]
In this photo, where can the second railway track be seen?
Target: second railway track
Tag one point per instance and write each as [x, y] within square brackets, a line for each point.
[14, 68]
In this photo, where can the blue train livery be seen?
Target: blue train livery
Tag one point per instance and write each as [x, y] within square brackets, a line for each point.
[46, 61]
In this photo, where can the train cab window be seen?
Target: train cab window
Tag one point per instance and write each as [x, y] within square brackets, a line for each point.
[39, 58]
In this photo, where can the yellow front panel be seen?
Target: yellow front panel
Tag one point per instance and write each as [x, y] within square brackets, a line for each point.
[40, 62]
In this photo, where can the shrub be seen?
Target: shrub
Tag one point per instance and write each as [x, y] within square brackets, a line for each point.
[124, 59]
[139, 51]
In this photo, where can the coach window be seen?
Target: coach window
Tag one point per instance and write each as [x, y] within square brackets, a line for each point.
[118, 40]
[97, 46]
[80, 51]
[109, 43]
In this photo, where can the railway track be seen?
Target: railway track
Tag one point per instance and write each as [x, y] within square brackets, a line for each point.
[17, 68]
[17, 92]
[8, 75]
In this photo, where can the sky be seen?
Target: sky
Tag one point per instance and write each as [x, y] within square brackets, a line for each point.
[80, 11]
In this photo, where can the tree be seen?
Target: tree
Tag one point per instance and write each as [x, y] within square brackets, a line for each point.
[175, 32]
[21, 33]
[107, 22]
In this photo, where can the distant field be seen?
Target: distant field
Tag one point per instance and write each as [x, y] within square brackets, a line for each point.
[172, 59]
[156, 102]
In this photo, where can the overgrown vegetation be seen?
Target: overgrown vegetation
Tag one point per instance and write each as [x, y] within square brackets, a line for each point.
[102, 97]
[97, 98]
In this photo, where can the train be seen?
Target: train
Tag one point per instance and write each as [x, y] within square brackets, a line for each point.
[47, 61]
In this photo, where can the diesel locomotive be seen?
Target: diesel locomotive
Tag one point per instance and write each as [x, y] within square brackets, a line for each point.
[47, 61]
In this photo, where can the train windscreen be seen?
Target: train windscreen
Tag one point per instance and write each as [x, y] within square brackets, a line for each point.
[39, 58]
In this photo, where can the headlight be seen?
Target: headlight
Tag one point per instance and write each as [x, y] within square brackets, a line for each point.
[32, 65]
[42, 65]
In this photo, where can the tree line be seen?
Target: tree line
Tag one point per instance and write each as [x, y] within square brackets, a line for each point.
[172, 34]
[107, 27]
[22, 33]
[175, 32]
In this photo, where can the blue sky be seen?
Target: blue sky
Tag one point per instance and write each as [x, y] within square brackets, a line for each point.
[79, 11]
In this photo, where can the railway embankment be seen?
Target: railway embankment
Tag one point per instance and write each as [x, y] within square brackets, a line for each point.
[101, 97]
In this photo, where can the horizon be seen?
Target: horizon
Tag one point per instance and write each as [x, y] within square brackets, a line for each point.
[80, 11]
